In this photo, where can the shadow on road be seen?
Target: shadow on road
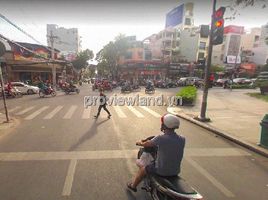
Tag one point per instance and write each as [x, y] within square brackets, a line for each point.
[89, 134]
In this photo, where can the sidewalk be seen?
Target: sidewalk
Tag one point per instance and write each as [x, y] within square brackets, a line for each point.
[233, 114]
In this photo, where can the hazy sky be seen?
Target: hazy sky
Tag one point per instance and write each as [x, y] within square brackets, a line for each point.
[98, 22]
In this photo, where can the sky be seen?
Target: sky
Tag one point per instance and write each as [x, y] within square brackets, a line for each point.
[99, 22]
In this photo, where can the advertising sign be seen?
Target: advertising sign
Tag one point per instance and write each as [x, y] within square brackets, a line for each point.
[233, 59]
[175, 16]
[234, 29]
[22, 54]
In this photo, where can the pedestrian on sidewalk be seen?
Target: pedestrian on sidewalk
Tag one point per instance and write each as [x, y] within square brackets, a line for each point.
[103, 104]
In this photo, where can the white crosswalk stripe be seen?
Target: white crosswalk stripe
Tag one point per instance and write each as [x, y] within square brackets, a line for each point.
[25, 110]
[70, 112]
[36, 113]
[86, 113]
[13, 109]
[119, 112]
[155, 114]
[53, 113]
[136, 112]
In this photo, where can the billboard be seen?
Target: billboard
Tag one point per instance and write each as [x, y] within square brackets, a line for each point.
[23, 54]
[233, 59]
[175, 16]
[234, 29]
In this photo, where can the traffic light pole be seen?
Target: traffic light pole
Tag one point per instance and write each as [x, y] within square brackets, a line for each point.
[202, 116]
[3, 93]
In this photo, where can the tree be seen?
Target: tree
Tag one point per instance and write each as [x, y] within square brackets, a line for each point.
[264, 68]
[216, 68]
[108, 56]
[82, 58]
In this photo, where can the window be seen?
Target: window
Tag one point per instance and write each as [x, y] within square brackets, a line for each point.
[202, 45]
[201, 55]
[128, 55]
[140, 55]
[222, 57]
[188, 21]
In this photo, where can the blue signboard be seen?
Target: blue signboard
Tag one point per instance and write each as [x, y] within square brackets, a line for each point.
[175, 16]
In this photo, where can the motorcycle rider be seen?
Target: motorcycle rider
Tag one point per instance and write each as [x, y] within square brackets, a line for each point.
[149, 85]
[170, 149]
[42, 86]
[9, 88]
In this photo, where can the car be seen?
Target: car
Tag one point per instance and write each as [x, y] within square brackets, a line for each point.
[221, 81]
[239, 80]
[184, 81]
[25, 88]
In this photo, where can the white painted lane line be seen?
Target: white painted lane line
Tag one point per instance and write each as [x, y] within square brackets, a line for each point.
[70, 112]
[13, 109]
[69, 179]
[222, 117]
[155, 114]
[86, 113]
[213, 180]
[38, 112]
[112, 154]
[25, 110]
[119, 112]
[251, 116]
[53, 112]
[136, 112]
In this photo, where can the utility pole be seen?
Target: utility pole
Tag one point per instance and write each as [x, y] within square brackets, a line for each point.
[2, 52]
[202, 116]
[52, 39]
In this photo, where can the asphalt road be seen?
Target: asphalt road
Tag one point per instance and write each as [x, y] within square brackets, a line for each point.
[59, 151]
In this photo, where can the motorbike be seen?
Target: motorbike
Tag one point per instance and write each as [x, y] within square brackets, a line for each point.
[13, 93]
[126, 88]
[70, 89]
[150, 89]
[48, 91]
[166, 188]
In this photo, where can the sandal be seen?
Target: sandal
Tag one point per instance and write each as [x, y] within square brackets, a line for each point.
[129, 185]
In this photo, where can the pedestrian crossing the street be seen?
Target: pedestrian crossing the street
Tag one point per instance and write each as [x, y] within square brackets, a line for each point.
[74, 111]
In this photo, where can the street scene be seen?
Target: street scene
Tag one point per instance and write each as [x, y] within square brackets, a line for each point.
[171, 105]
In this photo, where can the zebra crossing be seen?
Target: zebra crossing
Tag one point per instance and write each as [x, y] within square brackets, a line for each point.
[74, 111]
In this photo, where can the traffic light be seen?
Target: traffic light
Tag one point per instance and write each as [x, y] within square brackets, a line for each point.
[218, 26]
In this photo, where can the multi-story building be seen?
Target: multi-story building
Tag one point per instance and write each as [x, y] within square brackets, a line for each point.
[66, 40]
[228, 53]
[260, 52]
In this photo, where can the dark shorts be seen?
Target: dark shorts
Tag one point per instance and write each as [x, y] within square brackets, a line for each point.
[150, 169]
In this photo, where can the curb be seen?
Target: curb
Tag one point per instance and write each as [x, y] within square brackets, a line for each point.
[221, 133]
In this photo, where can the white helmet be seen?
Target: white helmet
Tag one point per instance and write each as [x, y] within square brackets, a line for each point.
[170, 121]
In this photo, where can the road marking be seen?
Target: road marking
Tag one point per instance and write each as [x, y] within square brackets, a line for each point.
[150, 111]
[213, 180]
[251, 116]
[70, 112]
[136, 112]
[113, 154]
[119, 112]
[25, 110]
[86, 113]
[13, 109]
[69, 179]
[33, 115]
[53, 112]
[222, 117]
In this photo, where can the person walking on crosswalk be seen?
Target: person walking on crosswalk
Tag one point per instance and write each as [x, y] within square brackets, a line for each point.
[103, 104]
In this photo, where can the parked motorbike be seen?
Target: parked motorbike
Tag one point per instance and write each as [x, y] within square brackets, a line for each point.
[163, 188]
[48, 91]
[70, 89]
[149, 90]
[136, 87]
[126, 88]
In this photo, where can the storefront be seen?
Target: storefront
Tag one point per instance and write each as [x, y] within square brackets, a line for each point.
[176, 70]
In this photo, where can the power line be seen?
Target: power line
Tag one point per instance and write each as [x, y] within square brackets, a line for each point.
[20, 29]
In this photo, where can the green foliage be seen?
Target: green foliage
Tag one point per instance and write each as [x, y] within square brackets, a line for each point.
[216, 68]
[246, 86]
[188, 94]
[264, 68]
[82, 58]
[259, 96]
[109, 55]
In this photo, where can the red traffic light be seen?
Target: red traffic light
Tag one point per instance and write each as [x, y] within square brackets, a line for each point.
[219, 23]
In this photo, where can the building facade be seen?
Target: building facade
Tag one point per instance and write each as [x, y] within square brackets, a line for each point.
[67, 40]
[260, 52]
